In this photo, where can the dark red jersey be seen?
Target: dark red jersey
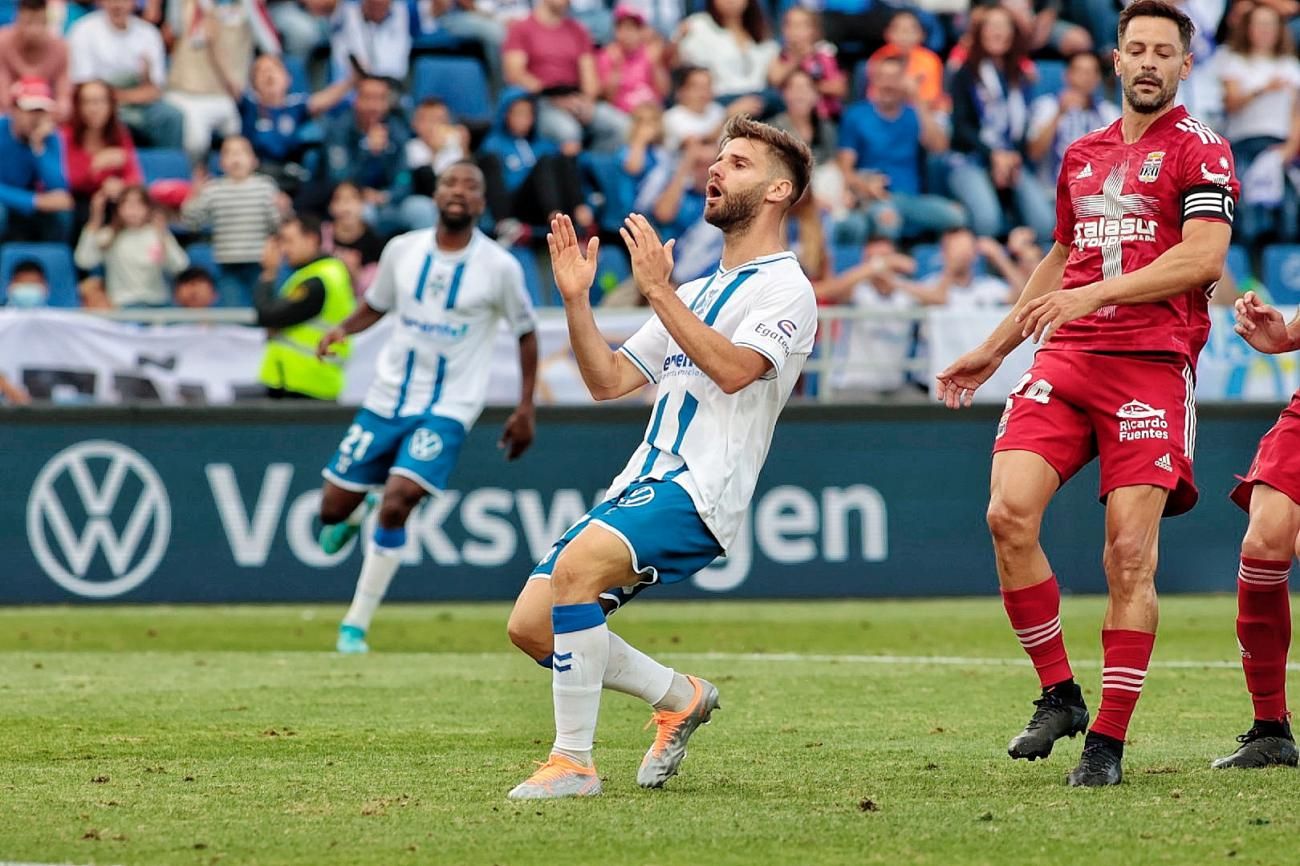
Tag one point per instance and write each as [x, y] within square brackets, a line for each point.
[1119, 207]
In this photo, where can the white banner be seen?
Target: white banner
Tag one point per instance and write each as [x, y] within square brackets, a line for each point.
[73, 357]
[1228, 370]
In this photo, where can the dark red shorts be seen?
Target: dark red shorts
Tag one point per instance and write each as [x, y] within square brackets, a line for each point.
[1137, 414]
[1277, 460]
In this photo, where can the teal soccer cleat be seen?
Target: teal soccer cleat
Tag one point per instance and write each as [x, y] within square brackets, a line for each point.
[334, 538]
[352, 641]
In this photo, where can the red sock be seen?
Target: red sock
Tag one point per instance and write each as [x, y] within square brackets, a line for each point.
[1035, 614]
[1264, 632]
[1125, 657]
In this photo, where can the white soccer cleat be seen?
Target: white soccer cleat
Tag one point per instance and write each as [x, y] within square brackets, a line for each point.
[559, 777]
[673, 730]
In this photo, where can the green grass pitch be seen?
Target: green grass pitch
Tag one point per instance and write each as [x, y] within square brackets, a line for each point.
[228, 735]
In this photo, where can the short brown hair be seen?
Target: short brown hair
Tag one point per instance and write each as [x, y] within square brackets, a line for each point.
[1158, 9]
[795, 157]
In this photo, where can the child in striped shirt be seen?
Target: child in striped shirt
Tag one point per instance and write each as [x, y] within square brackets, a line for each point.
[241, 209]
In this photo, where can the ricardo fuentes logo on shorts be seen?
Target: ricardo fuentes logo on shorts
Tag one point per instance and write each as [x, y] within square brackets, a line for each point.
[1137, 421]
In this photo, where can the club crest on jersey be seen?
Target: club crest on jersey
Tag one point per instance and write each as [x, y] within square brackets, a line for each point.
[1150, 169]
[438, 284]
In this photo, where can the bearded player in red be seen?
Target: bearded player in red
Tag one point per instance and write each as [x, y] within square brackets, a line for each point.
[1270, 493]
[1119, 308]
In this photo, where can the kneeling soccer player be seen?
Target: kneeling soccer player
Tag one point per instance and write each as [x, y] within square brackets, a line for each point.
[725, 353]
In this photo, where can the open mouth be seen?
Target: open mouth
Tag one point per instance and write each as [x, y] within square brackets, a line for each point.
[712, 192]
[455, 204]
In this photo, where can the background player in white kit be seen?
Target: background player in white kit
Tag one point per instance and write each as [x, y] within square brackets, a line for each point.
[725, 352]
[449, 288]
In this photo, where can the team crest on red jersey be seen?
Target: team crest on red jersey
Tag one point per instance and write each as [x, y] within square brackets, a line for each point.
[1150, 169]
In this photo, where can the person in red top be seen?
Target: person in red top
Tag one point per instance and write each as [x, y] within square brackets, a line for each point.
[1270, 493]
[1119, 309]
[97, 147]
[551, 55]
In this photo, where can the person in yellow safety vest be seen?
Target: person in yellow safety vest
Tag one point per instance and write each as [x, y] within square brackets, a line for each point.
[315, 298]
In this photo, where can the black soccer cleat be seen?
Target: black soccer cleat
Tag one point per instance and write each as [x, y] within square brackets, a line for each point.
[1266, 744]
[1099, 765]
[1060, 712]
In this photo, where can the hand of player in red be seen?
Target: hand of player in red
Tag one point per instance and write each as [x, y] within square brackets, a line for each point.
[574, 273]
[1261, 326]
[1043, 315]
[518, 433]
[652, 261]
[959, 380]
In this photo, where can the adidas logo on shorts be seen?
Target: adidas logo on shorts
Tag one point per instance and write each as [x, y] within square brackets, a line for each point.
[1163, 462]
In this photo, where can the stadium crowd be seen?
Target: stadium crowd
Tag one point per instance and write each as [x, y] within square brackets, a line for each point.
[158, 145]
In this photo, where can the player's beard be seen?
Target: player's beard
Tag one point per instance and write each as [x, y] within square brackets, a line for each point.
[737, 210]
[1150, 104]
[456, 222]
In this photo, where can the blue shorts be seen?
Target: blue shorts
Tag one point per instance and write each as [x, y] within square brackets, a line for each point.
[423, 448]
[662, 530]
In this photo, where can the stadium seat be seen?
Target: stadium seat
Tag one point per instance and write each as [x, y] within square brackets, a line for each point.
[845, 256]
[160, 163]
[1282, 273]
[532, 276]
[928, 260]
[1238, 263]
[458, 81]
[604, 173]
[201, 257]
[55, 259]
[1051, 77]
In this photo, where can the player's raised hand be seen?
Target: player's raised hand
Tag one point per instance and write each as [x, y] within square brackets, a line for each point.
[1261, 325]
[957, 384]
[574, 272]
[652, 261]
[518, 433]
[1043, 315]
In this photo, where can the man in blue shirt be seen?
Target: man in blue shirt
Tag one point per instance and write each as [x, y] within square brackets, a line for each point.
[35, 204]
[883, 144]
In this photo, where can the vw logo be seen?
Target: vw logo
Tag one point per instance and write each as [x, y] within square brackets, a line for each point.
[67, 488]
[425, 444]
[640, 496]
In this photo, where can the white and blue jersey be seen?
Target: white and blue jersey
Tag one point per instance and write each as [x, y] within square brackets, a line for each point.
[711, 443]
[447, 307]
[432, 376]
[681, 499]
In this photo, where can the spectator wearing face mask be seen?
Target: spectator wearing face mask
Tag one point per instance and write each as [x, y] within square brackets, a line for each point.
[28, 287]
